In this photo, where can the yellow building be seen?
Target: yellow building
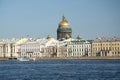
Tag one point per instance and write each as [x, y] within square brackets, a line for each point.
[2, 50]
[10, 47]
[7, 49]
[106, 47]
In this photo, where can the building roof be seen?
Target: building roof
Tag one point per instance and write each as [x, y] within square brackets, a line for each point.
[76, 41]
[106, 40]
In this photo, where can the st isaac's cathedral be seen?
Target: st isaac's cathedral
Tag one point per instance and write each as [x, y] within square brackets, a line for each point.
[64, 31]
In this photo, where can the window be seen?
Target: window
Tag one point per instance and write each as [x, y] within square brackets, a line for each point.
[106, 48]
[109, 48]
[112, 52]
[118, 52]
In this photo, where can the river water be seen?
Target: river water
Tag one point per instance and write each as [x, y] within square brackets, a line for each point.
[60, 70]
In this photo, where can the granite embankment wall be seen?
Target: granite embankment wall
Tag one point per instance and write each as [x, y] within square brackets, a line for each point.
[73, 58]
[82, 58]
[3, 59]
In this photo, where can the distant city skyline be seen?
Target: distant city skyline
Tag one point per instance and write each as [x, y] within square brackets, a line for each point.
[39, 18]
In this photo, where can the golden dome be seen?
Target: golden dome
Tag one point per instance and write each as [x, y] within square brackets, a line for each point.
[64, 23]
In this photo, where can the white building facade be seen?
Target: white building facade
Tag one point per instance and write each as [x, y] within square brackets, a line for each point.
[78, 48]
[45, 47]
[31, 49]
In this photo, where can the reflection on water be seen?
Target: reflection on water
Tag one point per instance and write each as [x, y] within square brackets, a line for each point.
[60, 70]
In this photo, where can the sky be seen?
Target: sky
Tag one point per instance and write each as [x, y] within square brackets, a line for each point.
[38, 18]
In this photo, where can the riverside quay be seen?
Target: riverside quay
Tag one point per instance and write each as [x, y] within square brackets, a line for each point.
[63, 47]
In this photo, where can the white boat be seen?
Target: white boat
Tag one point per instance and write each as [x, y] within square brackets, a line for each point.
[23, 59]
[34, 59]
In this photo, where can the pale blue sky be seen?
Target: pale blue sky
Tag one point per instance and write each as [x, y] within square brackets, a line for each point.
[38, 18]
